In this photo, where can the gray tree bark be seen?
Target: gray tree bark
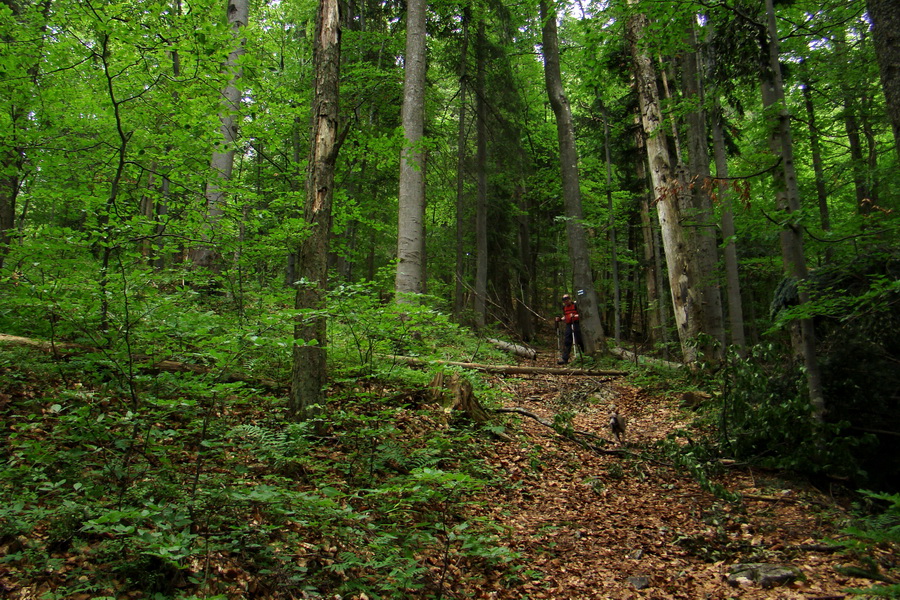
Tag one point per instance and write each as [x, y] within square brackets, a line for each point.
[700, 223]
[410, 277]
[732, 279]
[685, 300]
[657, 315]
[579, 250]
[787, 197]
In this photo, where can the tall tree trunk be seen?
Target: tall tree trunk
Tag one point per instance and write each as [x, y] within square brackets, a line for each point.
[816, 148]
[309, 369]
[732, 278]
[579, 250]
[885, 18]
[410, 277]
[787, 195]
[12, 161]
[872, 182]
[701, 228]
[614, 261]
[685, 301]
[657, 316]
[207, 255]
[481, 241]
[525, 272]
[857, 163]
[161, 207]
[18, 94]
[459, 293]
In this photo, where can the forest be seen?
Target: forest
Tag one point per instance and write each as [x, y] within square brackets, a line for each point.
[281, 282]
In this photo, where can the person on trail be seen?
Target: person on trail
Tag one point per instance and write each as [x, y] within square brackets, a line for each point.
[573, 329]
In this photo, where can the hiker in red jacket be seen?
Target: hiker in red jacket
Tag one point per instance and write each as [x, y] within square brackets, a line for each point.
[573, 329]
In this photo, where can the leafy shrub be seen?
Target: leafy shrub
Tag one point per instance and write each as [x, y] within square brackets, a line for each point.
[766, 417]
[880, 527]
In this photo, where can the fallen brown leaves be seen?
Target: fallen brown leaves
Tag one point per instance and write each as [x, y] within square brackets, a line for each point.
[600, 526]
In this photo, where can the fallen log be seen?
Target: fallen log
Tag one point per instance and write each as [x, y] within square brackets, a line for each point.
[171, 366]
[644, 360]
[517, 349]
[507, 369]
[44, 345]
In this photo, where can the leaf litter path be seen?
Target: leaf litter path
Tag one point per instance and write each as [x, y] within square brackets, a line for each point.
[590, 526]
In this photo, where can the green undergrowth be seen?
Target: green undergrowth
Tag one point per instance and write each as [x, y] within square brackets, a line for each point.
[754, 411]
[871, 542]
[208, 489]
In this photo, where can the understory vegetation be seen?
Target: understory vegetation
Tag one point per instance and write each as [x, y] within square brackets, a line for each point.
[121, 473]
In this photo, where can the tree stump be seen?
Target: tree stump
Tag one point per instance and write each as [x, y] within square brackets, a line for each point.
[456, 393]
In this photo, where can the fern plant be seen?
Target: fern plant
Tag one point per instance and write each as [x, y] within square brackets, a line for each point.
[880, 529]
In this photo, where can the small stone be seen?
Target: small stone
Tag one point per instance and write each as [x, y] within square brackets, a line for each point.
[639, 582]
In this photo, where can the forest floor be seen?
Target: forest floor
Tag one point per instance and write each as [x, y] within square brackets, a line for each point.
[620, 522]
[616, 526]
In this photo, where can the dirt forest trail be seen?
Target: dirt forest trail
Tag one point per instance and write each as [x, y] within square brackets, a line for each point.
[617, 526]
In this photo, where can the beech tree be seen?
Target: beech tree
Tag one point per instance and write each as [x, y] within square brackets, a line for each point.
[222, 162]
[680, 253]
[410, 277]
[578, 243]
[787, 195]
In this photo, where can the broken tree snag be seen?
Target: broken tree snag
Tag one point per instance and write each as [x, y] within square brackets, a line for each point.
[507, 369]
[436, 390]
[464, 399]
[517, 349]
[456, 393]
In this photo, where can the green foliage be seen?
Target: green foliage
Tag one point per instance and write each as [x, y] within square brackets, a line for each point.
[198, 472]
[699, 458]
[877, 525]
[366, 330]
[766, 418]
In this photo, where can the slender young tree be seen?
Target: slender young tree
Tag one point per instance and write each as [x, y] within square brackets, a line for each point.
[579, 250]
[481, 208]
[787, 196]
[815, 146]
[732, 278]
[222, 162]
[309, 368]
[410, 277]
[613, 259]
[461, 145]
